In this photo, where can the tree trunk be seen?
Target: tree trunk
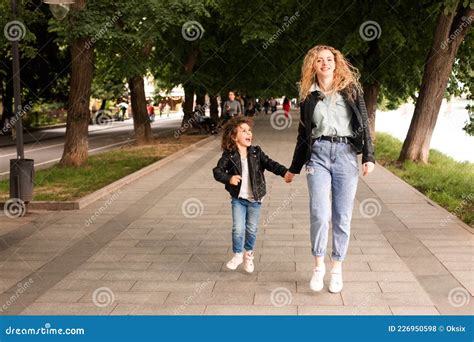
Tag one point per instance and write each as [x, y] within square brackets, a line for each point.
[78, 115]
[214, 108]
[188, 104]
[200, 97]
[449, 33]
[371, 93]
[141, 122]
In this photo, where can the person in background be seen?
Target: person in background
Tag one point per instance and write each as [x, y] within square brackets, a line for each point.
[122, 106]
[151, 111]
[266, 106]
[286, 107]
[232, 106]
[273, 104]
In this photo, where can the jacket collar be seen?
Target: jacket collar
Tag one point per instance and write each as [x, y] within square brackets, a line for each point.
[250, 150]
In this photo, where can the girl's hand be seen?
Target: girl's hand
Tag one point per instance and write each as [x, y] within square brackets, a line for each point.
[367, 168]
[235, 180]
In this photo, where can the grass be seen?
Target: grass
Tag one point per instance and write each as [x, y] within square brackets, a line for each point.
[69, 183]
[445, 181]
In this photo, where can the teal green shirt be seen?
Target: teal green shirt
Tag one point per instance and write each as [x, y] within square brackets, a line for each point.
[332, 116]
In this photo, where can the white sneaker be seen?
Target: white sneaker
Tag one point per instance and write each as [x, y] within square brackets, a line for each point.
[248, 261]
[236, 260]
[335, 284]
[317, 280]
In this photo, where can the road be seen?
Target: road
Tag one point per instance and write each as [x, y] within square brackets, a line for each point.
[46, 146]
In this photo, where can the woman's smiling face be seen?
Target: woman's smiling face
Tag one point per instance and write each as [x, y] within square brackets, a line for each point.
[325, 64]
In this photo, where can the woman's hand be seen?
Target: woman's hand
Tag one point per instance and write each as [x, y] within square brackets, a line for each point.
[367, 168]
[235, 180]
[289, 176]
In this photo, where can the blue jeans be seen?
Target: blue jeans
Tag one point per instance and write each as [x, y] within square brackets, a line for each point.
[245, 216]
[333, 168]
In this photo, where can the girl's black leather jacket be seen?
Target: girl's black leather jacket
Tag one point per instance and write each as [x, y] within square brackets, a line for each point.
[229, 165]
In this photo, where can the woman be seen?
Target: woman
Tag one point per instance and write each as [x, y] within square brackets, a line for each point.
[333, 130]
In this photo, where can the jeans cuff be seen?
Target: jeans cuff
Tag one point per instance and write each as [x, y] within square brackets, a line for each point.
[337, 258]
[320, 254]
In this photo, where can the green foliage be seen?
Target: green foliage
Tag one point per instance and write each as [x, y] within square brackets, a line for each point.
[256, 47]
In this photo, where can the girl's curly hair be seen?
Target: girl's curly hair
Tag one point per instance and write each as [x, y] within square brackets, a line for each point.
[230, 132]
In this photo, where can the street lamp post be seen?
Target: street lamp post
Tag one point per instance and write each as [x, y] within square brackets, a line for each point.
[21, 169]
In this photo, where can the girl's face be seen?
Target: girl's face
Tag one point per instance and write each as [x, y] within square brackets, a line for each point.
[243, 138]
[325, 64]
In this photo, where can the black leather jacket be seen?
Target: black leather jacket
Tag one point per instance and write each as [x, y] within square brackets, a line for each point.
[229, 165]
[360, 138]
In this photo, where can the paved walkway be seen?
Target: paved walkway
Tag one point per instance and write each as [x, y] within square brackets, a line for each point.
[158, 246]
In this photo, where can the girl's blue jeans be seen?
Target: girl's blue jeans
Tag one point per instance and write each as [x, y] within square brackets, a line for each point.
[245, 216]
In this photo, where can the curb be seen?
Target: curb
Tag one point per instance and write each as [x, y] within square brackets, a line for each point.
[91, 198]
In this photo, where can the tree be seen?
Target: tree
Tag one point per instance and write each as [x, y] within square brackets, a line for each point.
[452, 26]
[76, 144]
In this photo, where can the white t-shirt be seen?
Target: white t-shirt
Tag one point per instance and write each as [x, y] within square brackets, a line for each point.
[245, 186]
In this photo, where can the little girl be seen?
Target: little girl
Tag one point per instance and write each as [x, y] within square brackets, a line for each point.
[241, 169]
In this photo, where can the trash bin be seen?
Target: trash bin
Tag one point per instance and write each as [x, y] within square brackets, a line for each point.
[22, 172]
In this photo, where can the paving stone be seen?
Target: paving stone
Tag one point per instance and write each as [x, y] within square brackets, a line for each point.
[250, 310]
[344, 310]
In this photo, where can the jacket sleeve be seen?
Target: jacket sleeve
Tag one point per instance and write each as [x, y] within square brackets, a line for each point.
[221, 170]
[299, 154]
[271, 165]
[368, 148]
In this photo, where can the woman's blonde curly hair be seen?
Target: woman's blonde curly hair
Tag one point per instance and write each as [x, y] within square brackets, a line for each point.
[346, 76]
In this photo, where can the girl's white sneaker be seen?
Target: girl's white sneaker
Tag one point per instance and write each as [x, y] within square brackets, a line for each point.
[236, 260]
[248, 262]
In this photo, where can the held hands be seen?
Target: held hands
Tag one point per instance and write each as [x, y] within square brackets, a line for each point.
[289, 176]
[235, 180]
[367, 168]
